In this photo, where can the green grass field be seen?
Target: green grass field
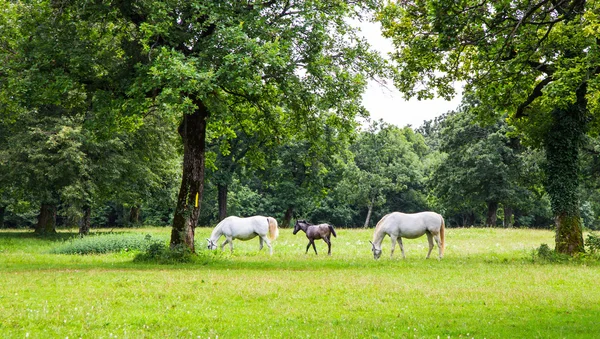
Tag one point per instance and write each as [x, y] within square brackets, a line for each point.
[487, 286]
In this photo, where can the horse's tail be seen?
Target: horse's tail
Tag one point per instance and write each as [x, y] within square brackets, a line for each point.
[273, 228]
[442, 236]
[332, 230]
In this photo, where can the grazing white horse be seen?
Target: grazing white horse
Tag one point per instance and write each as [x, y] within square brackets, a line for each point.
[244, 229]
[401, 225]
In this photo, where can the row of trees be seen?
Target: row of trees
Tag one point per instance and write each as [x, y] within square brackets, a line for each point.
[474, 173]
[130, 106]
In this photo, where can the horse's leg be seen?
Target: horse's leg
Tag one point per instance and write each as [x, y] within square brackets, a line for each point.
[393, 246]
[230, 244]
[260, 240]
[430, 240]
[328, 242]
[438, 242]
[401, 247]
[312, 241]
[263, 238]
[307, 247]
[224, 243]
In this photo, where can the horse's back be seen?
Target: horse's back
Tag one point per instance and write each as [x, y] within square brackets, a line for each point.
[412, 225]
[245, 228]
[318, 231]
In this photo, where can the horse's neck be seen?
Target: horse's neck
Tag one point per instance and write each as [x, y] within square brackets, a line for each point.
[378, 237]
[305, 227]
[216, 233]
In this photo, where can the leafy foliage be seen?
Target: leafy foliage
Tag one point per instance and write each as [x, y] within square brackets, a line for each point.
[109, 243]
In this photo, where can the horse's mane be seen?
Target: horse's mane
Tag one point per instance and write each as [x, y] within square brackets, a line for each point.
[378, 226]
[217, 228]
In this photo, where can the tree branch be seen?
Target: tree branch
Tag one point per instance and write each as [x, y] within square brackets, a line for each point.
[536, 93]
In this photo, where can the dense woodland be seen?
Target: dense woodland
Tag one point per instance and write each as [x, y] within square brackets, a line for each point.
[119, 113]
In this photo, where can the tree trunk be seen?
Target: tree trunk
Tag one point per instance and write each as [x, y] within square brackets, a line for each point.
[369, 214]
[46, 219]
[287, 218]
[134, 214]
[193, 134]
[471, 220]
[569, 237]
[84, 226]
[491, 214]
[508, 215]
[222, 197]
[562, 144]
[2, 211]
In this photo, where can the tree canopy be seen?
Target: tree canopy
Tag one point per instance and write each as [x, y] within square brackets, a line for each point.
[535, 61]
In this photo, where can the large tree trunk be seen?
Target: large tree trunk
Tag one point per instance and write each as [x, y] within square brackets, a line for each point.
[134, 214]
[46, 219]
[491, 218]
[222, 197]
[287, 218]
[193, 134]
[508, 216]
[562, 145]
[369, 212]
[84, 226]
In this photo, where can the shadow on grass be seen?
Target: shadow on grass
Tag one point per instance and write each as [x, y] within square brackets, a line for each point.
[30, 234]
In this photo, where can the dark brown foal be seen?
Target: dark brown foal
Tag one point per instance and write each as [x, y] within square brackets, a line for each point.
[321, 231]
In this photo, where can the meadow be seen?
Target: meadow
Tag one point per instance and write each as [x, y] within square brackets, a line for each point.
[487, 286]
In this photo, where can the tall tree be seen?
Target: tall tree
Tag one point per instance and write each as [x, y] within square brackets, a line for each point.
[290, 60]
[535, 60]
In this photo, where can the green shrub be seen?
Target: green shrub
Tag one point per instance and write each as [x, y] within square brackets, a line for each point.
[163, 254]
[546, 254]
[107, 243]
[593, 243]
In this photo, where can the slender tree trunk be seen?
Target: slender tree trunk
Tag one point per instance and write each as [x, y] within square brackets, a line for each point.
[134, 214]
[193, 134]
[471, 219]
[46, 219]
[491, 214]
[84, 226]
[222, 197]
[2, 212]
[508, 214]
[287, 218]
[562, 144]
[369, 214]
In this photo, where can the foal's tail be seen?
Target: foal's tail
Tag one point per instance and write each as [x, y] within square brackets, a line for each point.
[332, 230]
[273, 228]
[442, 236]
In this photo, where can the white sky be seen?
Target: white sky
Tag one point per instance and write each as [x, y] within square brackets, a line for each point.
[387, 103]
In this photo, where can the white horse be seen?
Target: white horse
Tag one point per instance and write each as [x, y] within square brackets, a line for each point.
[244, 229]
[398, 225]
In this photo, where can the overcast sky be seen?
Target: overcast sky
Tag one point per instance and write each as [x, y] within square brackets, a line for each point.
[387, 103]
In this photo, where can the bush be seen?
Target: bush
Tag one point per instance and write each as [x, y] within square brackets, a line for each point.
[545, 253]
[163, 254]
[108, 243]
[592, 243]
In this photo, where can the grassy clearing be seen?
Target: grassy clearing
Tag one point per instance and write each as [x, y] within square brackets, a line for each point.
[487, 286]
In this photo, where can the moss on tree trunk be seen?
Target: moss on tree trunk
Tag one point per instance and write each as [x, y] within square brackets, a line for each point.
[193, 133]
[562, 144]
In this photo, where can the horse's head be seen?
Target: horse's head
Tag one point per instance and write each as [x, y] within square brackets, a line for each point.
[297, 226]
[211, 244]
[376, 252]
